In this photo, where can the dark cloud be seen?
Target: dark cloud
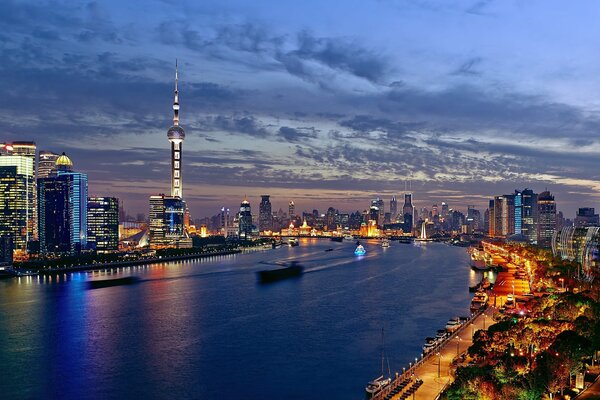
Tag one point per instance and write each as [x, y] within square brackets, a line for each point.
[297, 134]
[335, 53]
[469, 67]
[247, 125]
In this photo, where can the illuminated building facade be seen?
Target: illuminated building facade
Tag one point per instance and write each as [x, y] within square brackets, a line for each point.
[265, 214]
[546, 219]
[245, 221]
[62, 210]
[529, 215]
[166, 223]
[46, 163]
[580, 244]
[393, 209]
[17, 185]
[28, 149]
[103, 224]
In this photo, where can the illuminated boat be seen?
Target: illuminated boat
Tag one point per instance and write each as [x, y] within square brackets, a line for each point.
[360, 250]
[385, 243]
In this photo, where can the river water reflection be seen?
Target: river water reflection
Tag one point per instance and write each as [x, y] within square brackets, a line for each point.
[207, 329]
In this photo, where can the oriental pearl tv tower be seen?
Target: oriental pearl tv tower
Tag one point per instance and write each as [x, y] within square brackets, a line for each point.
[176, 134]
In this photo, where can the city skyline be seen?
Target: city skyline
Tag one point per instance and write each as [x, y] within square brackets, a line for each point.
[307, 112]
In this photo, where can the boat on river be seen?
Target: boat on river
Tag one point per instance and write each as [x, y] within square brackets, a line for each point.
[293, 270]
[385, 243]
[103, 283]
[360, 250]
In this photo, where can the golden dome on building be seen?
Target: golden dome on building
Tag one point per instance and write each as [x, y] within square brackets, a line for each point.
[64, 162]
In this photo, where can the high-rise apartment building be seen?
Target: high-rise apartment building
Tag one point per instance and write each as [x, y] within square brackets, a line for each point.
[103, 224]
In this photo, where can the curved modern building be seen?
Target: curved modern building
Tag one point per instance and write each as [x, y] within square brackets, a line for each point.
[578, 244]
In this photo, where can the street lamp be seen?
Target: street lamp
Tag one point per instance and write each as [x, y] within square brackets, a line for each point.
[457, 344]
[472, 330]
[439, 362]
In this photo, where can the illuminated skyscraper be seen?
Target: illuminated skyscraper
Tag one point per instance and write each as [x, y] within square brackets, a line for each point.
[17, 199]
[380, 204]
[393, 209]
[292, 210]
[546, 219]
[408, 213]
[46, 163]
[167, 222]
[245, 221]
[62, 207]
[28, 149]
[176, 136]
[103, 223]
[529, 215]
[265, 214]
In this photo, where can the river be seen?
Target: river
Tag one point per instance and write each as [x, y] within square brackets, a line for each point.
[206, 329]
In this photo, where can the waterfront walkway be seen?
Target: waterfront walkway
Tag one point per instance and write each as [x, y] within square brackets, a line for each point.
[434, 369]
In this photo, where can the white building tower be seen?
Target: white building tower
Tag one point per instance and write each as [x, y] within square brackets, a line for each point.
[176, 135]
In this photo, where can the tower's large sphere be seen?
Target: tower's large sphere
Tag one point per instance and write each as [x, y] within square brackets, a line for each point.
[176, 132]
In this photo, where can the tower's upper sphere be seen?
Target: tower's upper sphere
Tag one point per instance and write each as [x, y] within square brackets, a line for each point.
[176, 132]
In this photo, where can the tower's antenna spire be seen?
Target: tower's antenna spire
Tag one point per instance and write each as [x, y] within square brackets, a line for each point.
[176, 100]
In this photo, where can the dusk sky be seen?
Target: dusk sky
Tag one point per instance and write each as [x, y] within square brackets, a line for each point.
[325, 104]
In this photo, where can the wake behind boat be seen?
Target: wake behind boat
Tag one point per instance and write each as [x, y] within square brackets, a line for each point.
[293, 270]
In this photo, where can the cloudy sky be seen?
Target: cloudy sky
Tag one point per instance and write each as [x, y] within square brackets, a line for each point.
[325, 104]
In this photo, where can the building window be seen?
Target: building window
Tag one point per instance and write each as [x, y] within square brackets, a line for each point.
[176, 183]
[176, 173]
[177, 164]
[177, 155]
[176, 145]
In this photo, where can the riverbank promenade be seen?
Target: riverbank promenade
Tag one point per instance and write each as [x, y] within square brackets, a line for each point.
[434, 371]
